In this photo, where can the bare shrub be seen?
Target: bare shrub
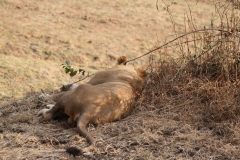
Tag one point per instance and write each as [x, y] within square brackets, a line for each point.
[202, 76]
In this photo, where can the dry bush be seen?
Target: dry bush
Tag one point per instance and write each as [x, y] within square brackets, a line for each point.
[201, 79]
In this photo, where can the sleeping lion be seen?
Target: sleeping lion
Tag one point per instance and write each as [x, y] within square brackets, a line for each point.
[108, 96]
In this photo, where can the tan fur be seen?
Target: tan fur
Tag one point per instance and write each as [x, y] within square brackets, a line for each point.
[55, 97]
[107, 97]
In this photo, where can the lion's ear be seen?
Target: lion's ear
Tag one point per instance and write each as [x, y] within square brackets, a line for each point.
[122, 60]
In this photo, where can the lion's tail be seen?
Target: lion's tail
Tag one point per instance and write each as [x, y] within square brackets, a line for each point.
[74, 151]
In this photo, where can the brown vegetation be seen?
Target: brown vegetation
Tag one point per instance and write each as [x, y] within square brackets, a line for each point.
[189, 109]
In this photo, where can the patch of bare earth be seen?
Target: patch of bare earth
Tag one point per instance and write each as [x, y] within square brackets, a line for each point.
[172, 120]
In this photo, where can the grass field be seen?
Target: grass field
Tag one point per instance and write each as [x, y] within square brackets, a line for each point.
[189, 110]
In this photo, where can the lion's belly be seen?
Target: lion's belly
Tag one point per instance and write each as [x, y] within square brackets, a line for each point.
[113, 112]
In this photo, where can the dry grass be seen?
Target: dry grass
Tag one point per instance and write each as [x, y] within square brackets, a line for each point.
[205, 73]
[189, 109]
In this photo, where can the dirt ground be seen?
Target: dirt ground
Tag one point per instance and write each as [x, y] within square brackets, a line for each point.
[38, 36]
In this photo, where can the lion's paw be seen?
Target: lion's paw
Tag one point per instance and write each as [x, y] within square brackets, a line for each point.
[49, 106]
[44, 113]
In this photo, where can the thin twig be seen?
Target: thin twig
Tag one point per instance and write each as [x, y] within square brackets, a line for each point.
[165, 44]
[201, 30]
[157, 5]
[82, 79]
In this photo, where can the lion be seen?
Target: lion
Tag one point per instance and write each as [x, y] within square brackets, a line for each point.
[108, 96]
[99, 77]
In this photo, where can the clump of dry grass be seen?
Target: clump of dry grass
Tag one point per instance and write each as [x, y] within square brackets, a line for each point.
[201, 79]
